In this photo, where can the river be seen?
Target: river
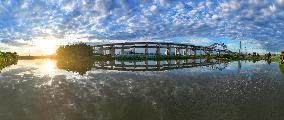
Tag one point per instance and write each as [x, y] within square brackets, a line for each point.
[241, 90]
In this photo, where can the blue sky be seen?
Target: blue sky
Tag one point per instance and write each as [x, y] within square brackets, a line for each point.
[29, 26]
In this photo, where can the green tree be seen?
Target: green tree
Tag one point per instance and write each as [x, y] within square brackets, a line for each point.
[77, 57]
[7, 59]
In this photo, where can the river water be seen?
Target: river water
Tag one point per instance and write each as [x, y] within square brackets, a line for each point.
[42, 90]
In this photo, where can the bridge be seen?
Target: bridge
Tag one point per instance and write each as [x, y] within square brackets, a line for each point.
[158, 48]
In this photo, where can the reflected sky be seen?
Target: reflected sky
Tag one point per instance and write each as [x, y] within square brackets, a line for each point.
[37, 89]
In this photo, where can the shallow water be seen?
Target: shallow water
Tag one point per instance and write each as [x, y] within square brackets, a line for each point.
[39, 90]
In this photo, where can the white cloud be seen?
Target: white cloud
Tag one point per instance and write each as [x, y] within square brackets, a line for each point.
[280, 2]
[214, 17]
[153, 9]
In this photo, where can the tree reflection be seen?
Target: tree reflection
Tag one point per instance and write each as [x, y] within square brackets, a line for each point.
[79, 66]
[281, 66]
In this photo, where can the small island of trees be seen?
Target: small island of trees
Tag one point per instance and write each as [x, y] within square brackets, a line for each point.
[7, 59]
[77, 58]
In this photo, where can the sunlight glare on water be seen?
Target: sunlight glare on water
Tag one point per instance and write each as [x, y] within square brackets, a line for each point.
[49, 67]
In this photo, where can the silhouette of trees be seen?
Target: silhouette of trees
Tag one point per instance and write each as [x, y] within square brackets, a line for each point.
[76, 58]
[281, 66]
[75, 51]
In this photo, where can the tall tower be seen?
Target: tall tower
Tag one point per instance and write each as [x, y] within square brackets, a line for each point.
[240, 46]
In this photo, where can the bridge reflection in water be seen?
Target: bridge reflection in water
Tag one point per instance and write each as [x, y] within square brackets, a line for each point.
[151, 65]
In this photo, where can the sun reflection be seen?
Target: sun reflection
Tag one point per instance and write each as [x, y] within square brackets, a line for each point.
[49, 67]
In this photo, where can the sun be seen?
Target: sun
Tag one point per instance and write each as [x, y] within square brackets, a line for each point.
[47, 45]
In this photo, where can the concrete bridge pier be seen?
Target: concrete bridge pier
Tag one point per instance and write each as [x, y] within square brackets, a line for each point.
[122, 64]
[146, 49]
[122, 49]
[168, 50]
[134, 63]
[112, 50]
[191, 51]
[158, 49]
[101, 51]
[112, 63]
[176, 50]
[146, 64]
[184, 61]
[186, 50]
[168, 62]
[134, 48]
[191, 61]
[158, 65]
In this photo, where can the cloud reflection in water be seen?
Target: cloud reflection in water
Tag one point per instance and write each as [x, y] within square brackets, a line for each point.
[195, 93]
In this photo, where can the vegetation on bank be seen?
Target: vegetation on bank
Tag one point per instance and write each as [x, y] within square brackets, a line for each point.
[282, 56]
[7, 59]
[281, 64]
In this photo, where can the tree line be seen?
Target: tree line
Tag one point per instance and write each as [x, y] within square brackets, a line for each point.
[7, 59]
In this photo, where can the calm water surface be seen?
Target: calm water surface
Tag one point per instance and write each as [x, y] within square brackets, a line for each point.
[39, 90]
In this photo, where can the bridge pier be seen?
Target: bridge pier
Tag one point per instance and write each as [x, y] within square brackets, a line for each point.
[158, 65]
[134, 49]
[191, 51]
[122, 49]
[112, 50]
[101, 51]
[146, 49]
[186, 50]
[158, 49]
[168, 49]
[146, 64]
[183, 51]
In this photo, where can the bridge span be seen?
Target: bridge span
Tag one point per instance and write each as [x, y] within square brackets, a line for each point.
[169, 48]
